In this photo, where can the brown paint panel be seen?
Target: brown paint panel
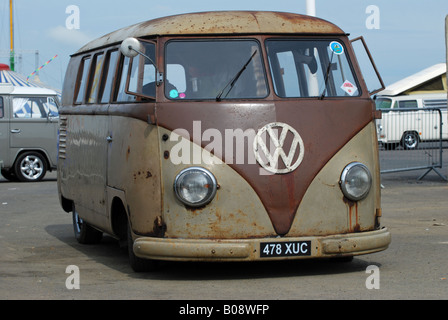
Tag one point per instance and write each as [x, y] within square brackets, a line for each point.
[328, 125]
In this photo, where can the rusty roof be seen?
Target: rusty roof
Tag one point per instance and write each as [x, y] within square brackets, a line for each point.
[220, 22]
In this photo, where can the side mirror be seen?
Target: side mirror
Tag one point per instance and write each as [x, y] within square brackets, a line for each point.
[130, 47]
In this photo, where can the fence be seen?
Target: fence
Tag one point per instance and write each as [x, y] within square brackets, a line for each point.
[412, 139]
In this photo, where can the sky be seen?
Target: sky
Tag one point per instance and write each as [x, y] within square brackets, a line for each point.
[404, 36]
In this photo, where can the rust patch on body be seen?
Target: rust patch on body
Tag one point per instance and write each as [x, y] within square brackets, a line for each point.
[353, 226]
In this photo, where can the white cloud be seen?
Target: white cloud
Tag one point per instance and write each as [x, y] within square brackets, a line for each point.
[73, 37]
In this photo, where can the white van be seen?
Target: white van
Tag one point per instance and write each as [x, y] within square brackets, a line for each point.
[29, 119]
[408, 120]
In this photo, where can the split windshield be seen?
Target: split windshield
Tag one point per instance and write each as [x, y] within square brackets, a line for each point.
[215, 69]
[318, 68]
[234, 69]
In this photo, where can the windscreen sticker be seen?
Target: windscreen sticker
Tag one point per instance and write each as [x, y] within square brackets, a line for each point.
[174, 94]
[349, 87]
[336, 47]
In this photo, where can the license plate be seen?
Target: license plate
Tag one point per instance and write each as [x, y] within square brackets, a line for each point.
[285, 249]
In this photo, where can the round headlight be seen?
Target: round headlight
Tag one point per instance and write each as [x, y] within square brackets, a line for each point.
[356, 181]
[195, 186]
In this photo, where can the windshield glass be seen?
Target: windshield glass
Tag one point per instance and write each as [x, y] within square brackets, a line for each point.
[317, 68]
[214, 69]
[383, 103]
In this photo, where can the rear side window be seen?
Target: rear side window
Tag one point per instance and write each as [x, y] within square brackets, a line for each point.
[108, 76]
[408, 104]
[94, 83]
[82, 79]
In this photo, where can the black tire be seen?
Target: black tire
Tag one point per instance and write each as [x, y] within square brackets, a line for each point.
[84, 233]
[9, 175]
[30, 167]
[390, 146]
[138, 264]
[410, 140]
[346, 259]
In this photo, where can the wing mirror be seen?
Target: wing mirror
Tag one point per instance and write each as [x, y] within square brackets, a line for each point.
[131, 47]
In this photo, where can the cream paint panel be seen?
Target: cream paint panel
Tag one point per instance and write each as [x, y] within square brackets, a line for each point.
[324, 210]
[134, 167]
[236, 211]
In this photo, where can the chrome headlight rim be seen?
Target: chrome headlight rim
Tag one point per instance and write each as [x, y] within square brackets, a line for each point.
[212, 186]
[343, 182]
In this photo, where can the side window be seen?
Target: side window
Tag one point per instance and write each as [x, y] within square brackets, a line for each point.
[34, 107]
[108, 76]
[51, 107]
[82, 79]
[122, 96]
[408, 104]
[1, 108]
[142, 78]
[97, 67]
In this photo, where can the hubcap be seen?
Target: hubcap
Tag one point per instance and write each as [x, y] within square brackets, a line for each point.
[78, 222]
[32, 167]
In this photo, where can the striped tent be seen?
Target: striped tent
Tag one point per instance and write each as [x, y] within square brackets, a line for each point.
[17, 80]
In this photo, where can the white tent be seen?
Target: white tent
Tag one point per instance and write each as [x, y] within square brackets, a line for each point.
[12, 78]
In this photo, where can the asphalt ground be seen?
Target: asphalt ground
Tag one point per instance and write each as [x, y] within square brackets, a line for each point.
[37, 246]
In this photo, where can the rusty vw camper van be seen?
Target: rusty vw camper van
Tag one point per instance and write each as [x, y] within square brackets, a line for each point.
[221, 136]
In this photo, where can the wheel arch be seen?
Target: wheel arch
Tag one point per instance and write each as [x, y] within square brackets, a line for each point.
[119, 218]
[37, 150]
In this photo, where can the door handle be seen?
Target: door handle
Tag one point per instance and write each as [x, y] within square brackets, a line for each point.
[15, 130]
[109, 139]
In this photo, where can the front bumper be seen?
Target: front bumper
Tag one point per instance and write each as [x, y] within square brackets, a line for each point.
[249, 249]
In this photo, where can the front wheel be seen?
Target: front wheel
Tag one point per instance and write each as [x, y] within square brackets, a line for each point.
[84, 233]
[138, 264]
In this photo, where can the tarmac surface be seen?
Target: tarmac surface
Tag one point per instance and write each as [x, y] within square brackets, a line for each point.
[37, 246]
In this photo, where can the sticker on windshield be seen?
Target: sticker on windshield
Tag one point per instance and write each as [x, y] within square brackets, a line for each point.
[336, 47]
[174, 94]
[349, 87]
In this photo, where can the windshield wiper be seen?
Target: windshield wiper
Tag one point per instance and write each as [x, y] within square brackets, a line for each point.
[326, 77]
[235, 79]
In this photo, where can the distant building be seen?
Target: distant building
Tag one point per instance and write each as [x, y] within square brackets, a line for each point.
[430, 80]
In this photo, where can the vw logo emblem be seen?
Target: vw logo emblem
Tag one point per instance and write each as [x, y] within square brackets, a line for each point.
[277, 133]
